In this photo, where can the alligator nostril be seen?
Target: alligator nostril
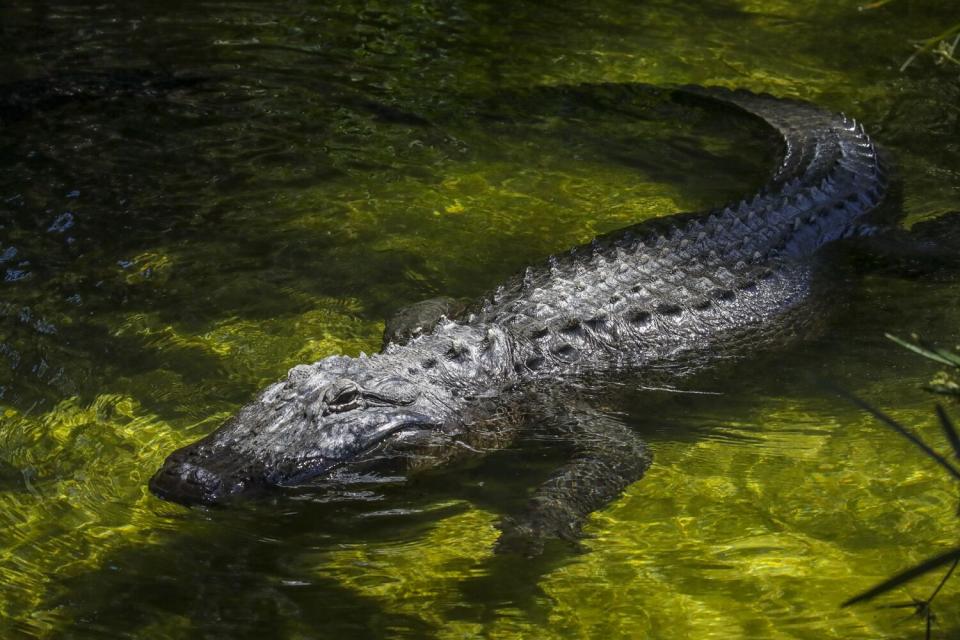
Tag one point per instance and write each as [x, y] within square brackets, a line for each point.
[207, 480]
[186, 482]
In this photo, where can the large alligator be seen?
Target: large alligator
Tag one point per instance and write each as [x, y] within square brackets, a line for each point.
[660, 298]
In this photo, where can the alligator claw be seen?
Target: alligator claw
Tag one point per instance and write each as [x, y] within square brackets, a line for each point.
[528, 534]
[518, 539]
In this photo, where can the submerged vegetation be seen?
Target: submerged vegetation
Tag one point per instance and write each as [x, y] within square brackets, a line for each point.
[947, 381]
[941, 47]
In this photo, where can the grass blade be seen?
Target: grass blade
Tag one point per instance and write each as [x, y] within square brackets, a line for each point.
[949, 430]
[905, 576]
[951, 361]
[899, 428]
[952, 358]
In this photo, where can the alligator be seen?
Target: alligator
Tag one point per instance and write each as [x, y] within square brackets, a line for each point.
[660, 299]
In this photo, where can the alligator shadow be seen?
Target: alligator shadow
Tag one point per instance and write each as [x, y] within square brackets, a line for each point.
[282, 567]
[229, 580]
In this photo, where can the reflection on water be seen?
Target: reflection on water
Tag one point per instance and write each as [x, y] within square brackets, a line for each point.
[196, 197]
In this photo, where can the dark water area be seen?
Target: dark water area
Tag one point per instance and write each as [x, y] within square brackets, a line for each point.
[195, 197]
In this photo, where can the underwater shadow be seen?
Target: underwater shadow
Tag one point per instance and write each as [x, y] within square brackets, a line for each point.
[224, 582]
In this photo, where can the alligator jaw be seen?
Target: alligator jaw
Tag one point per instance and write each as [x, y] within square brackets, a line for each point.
[261, 448]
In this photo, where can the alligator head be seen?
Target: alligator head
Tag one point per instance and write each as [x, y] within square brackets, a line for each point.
[336, 412]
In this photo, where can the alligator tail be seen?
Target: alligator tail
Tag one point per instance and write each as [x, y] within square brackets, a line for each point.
[831, 174]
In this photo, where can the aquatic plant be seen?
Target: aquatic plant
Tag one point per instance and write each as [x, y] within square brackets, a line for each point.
[944, 383]
[942, 46]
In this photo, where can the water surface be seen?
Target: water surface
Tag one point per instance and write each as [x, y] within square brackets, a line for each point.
[304, 169]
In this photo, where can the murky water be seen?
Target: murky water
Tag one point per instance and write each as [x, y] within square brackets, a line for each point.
[300, 170]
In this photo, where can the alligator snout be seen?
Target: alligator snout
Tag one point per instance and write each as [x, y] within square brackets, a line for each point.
[190, 482]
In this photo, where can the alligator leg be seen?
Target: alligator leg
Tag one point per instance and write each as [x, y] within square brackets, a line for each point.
[418, 318]
[608, 457]
[929, 250]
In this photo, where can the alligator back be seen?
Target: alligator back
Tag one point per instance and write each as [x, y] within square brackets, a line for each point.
[653, 292]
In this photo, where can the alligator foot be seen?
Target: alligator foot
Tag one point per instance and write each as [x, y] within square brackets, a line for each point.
[527, 533]
[419, 318]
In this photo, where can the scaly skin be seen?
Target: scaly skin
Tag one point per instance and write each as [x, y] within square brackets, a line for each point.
[661, 297]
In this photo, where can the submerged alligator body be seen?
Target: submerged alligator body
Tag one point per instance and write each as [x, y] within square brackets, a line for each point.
[665, 297]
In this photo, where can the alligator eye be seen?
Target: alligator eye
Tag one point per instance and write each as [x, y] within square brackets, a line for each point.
[347, 396]
[343, 395]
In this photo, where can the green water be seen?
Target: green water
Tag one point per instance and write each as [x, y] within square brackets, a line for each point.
[165, 256]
